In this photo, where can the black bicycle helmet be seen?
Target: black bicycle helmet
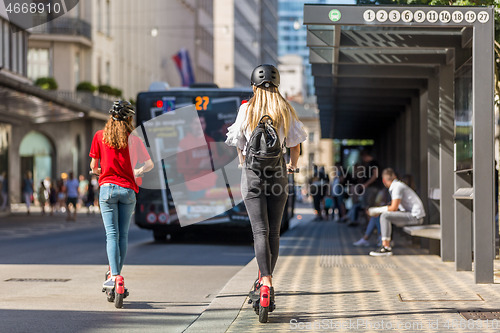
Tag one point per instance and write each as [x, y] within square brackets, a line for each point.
[122, 110]
[267, 74]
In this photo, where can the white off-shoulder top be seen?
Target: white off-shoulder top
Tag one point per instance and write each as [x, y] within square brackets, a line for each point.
[238, 136]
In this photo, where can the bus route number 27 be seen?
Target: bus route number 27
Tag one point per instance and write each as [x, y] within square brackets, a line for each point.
[201, 103]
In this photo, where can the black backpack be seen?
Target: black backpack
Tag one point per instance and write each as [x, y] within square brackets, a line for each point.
[264, 151]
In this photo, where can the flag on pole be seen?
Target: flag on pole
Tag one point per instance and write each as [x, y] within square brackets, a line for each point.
[183, 63]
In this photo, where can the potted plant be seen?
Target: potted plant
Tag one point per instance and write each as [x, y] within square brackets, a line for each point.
[46, 83]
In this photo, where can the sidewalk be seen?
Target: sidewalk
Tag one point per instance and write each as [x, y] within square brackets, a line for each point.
[323, 283]
[17, 224]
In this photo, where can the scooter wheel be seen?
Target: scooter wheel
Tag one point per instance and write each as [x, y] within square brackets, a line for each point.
[263, 314]
[118, 301]
[256, 308]
[111, 297]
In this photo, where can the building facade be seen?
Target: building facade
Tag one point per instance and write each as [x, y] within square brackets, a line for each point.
[315, 150]
[245, 36]
[292, 76]
[104, 42]
[41, 131]
[111, 42]
[145, 46]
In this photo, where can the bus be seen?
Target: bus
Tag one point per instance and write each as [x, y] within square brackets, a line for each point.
[156, 209]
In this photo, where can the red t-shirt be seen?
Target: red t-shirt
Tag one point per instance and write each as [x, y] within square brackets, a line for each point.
[117, 164]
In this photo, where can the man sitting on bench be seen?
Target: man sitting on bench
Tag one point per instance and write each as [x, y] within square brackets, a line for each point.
[406, 208]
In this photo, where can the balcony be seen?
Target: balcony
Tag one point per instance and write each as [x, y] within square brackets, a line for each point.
[86, 99]
[69, 26]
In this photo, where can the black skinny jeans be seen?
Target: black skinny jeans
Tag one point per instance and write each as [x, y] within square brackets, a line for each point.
[265, 196]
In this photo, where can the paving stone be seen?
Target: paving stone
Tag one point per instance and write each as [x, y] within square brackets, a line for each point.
[322, 281]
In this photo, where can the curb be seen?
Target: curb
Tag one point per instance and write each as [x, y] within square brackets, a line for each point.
[226, 306]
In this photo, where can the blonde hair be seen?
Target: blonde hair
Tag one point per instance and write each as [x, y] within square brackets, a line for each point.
[389, 173]
[268, 101]
[116, 133]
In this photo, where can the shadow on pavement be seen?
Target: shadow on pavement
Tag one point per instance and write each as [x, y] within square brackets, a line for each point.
[160, 305]
[286, 317]
[119, 320]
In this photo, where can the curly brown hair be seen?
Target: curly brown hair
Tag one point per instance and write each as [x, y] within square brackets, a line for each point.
[116, 133]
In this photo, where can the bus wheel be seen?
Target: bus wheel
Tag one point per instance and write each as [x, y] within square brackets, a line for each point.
[159, 236]
[175, 237]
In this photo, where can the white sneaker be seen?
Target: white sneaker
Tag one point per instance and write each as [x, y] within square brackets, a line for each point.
[382, 252]
[109, 283]
[361, 242]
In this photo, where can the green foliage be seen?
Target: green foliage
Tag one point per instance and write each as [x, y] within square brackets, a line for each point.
[46, 83]
[108, 90]
[117, 92]
[86, 86]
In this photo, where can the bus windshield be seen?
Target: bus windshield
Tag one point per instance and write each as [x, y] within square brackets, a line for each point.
[193, 178]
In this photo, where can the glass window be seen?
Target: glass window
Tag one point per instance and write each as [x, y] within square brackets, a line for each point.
[13, 53]
[77, 68]
[463, 117]
[6, 44]
[99, 16]
[108, 18]
[99, 81]
[311, 161]
[38, 63]
[77, 10]
[311, 137]
[108, 73]
[20, 52]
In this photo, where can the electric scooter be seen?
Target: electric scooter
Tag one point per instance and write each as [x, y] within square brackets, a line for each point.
[118, 292]
[262, 297]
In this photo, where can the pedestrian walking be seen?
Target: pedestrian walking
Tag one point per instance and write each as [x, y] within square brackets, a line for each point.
[89, 199]
[267, 115]
[71, 196]
[52, 197]
[61, 195]
[42, 199]
[118, 188]
[28, 190]
[94, 183]
[83, 188]
[4, 191]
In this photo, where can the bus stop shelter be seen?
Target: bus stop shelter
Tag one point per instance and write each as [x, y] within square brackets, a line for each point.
[420, 82]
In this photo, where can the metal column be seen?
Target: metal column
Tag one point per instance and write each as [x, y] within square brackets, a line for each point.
[446, 159]
[433, 134]
[482, 150]
[463, 224]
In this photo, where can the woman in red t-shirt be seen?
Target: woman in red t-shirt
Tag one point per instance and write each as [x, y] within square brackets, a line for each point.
[118, 154]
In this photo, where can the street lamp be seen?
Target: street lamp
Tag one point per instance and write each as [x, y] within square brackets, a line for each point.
[154, 32]
[296, 25]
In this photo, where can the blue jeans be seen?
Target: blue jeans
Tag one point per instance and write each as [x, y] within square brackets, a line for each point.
[117, 205]
[372, 224]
